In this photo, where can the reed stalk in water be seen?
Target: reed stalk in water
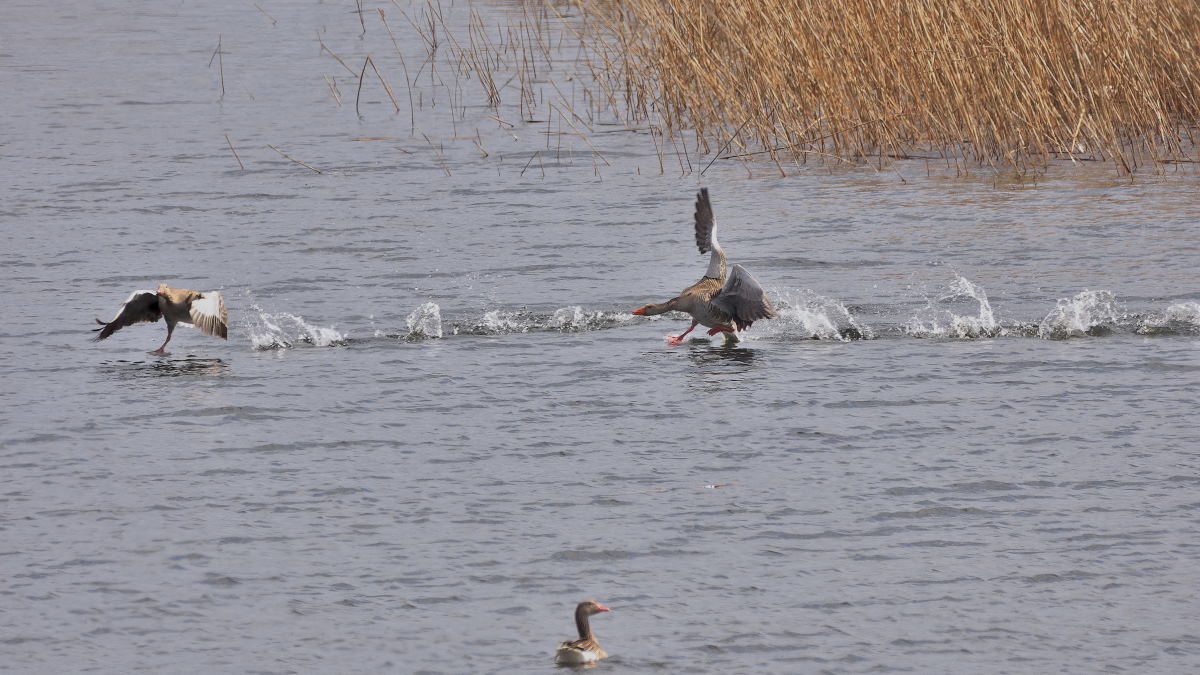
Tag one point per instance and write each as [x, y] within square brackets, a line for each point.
[235, 153]
[219, 55]
[1013, 83]
[293, 159]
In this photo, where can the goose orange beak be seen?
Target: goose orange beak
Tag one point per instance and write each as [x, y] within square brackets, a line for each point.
[602, 608]
[640, 311]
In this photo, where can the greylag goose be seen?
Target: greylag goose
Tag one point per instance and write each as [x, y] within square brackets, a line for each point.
[205, 311]
[586, 649]
[724, 302]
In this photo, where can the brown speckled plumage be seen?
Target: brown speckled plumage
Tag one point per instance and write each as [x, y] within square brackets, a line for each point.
[587, 648]
[725, 298]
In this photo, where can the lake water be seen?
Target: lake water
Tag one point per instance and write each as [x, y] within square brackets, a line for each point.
[968, 443]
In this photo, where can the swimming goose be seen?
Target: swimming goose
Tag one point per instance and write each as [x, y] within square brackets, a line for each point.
[726, 303]
[586, 649]
[205, 311]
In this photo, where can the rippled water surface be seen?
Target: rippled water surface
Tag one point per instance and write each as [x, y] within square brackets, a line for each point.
[968, 443]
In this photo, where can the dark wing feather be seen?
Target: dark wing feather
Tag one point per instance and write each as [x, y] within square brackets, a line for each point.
[588, 644]
[743, 299]
[704, 221]
[141, 306]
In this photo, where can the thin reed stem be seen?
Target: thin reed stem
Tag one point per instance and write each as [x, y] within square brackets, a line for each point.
[293, 159]
[235, 153]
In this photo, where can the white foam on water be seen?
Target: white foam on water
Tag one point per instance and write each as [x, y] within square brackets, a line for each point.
[283, 330]
[808, 315]
[938, 320]
[1180, 317]
[1087, 313]
[500, 321]
[425, 322]
[564, 319]
[1185, 312]
[571, 319]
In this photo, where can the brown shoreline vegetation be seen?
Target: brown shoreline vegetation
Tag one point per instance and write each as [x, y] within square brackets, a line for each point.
[1012, 84]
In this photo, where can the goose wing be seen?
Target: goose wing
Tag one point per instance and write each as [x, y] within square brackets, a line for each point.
[705, 227]
[208, 313]
[743, 298]
[706, 236]
[142, 306]
[583, 650]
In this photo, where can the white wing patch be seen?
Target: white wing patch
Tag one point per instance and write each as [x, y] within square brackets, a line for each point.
[208, 313]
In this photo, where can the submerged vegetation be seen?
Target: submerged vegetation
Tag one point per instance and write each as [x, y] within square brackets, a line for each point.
[1013, 83]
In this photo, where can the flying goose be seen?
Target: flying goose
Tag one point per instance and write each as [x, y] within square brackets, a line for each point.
[725, 303]
[586, 649]
[205, 311]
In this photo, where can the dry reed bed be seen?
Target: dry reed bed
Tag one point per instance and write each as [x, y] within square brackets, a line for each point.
[1012, 83]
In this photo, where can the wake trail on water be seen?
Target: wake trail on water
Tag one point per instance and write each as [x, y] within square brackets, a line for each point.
[962, 310]
[427, 322]
[574, 319]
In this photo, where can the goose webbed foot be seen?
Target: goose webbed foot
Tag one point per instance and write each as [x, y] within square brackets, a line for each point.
[676, 339]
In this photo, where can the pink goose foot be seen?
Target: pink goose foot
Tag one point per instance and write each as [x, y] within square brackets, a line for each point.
[721, 329]
[674, 340]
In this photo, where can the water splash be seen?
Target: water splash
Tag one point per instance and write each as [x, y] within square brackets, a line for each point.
[577, 319]
[938, 321]
[498, 322]
[566, 320]
[425, 322]
[1179, 318]
[1088, 313]
[811, 316]
[1185, 313]
[283, 330]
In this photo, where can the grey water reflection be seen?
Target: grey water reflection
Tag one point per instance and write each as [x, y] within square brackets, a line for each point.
[730, 357]
[167, 367]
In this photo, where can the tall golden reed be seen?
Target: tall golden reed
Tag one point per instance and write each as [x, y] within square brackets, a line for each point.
[1012, 83]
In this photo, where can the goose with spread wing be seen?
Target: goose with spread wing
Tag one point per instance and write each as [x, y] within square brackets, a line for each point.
[205, 311]
[726, 299]
[586, 649]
